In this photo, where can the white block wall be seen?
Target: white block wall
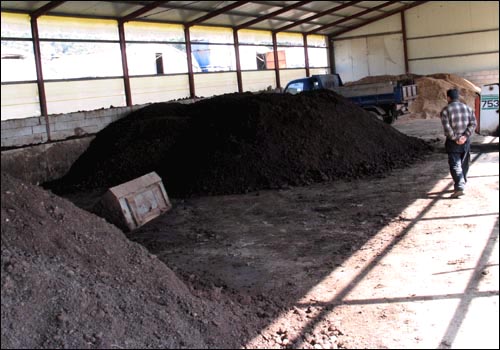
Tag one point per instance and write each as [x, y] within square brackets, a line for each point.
[32, 131]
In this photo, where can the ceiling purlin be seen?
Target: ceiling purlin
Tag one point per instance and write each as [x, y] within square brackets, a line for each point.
[141, 11]
[216, 13]
[320, 14]
[271, 15]
[46, 8]
[387, 14]
[359, 14]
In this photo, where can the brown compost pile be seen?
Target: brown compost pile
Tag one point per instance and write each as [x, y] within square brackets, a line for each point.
[432, 94]
[236, 143]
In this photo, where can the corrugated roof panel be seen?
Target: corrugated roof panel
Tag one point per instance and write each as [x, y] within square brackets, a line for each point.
[188, 11]
[171, 15]
[95, 9]
[24, 6]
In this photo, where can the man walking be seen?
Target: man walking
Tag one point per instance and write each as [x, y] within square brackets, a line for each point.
[459, 123]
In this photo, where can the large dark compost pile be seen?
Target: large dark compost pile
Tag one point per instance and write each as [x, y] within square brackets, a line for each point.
[237, 143]
[70, 280]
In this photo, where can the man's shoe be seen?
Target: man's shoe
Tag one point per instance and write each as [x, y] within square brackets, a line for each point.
[457, 194]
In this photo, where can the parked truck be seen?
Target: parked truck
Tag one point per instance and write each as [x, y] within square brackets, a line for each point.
[387, 99]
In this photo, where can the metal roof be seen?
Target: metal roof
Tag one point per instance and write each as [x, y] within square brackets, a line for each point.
[330, 18]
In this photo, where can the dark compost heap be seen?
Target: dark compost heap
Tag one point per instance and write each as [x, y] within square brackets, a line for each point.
[237, 143]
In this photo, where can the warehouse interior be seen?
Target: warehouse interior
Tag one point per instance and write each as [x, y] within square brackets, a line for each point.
[161, 189]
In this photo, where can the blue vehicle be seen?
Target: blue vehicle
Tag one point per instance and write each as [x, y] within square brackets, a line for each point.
[387, 100]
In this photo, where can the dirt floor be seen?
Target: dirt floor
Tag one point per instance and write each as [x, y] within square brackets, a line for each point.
[375, 263]
[384, 261]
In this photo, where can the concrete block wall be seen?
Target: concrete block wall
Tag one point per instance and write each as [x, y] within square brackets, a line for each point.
[44, 162]
[81, 123]
[19, 132]
[33, 131]
[481, 78]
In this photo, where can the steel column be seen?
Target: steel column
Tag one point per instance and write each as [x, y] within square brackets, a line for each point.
[123, 50]
[276, 62]
[405, 46]
[306, 55]
[39, 74]
[237, 56]
[192, 91]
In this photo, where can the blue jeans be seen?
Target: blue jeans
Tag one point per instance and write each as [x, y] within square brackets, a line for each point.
[458, 160]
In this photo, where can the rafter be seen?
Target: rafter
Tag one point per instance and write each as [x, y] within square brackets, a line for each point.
[271, 15]
[141, 11]
[216, 13]
[320, 14]
[356, 15]
[385, 15]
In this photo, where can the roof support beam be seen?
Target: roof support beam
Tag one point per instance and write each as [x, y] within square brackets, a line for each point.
[272, 14]
[216, 13]
[187, 36]
[356, 15]
[331, 56]
[320, 14]
[42, 97]
[306, 55]
[238, 63]
[405, 46]
[141, 11]
[276, 61]
[126, 77]
[385, 15]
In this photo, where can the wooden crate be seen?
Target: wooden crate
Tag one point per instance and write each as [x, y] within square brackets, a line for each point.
[134, 203]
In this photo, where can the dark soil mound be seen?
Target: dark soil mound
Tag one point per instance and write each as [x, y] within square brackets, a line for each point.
[71, 280]
[242, 142]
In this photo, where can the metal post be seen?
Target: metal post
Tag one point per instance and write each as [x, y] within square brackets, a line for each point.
[306, 55]
[192, 92]
[276, 61]
[39, 74]
[405, 46]
[126, 77]
[331, 54]
[238, 64]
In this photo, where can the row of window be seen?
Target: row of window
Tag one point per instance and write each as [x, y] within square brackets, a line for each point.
[89, 48]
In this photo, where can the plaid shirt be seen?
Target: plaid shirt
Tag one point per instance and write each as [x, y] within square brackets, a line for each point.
[458, 119]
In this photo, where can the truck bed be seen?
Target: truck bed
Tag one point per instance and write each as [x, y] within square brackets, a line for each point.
[365, 89]
[378, 93]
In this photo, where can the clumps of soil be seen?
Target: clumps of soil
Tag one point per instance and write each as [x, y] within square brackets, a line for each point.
[237, 143]
[71, 280]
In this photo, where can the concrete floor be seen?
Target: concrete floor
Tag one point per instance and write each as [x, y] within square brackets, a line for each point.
[474, 323]
[432, 130]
